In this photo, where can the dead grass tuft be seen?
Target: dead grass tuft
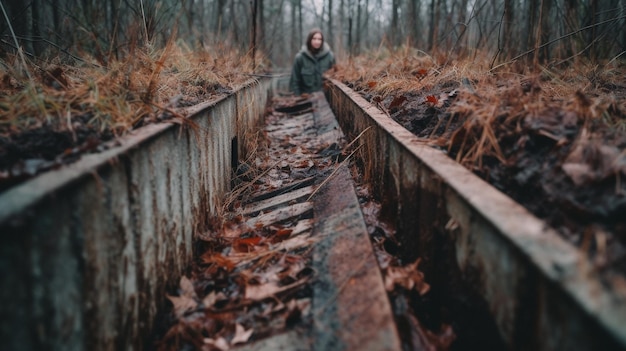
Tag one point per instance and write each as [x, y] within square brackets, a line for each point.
[487, 104]
[127, 93]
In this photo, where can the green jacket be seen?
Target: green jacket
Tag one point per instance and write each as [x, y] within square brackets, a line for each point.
[306, 75]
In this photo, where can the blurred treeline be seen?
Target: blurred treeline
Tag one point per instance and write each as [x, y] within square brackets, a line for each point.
[544, 31]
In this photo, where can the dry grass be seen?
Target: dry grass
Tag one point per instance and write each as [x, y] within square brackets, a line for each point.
[489, 103]
[139, 89]
[553, 139]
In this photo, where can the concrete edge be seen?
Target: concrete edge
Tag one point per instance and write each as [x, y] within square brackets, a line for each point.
[555, 260]
[90, 249]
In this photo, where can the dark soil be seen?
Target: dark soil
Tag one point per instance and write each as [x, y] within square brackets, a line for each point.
[566, 168]
[46, 146]
[33, 151]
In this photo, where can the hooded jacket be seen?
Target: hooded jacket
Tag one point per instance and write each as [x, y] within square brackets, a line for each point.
[306, 75]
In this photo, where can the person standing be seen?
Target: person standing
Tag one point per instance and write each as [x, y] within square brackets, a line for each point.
[310, 63]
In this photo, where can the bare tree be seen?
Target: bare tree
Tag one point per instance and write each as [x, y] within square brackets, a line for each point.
[394, 30]
[330, 20]
[412, 22]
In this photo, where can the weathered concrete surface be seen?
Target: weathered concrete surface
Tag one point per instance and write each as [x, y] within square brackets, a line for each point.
[350, 304]
[541, 292]
[87, 251]
[350, 309]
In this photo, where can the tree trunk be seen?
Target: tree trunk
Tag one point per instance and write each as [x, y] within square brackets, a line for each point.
[507, 30]
[350, 17]
[233, 21]
[330, 20]
[36, 31]
[433, 24]
[357, 41]
[593, 33]
[254, 27]
[623, 25]
[261, 33]
[294, 28]
[412, 22]
[394, 32]
[547, 24]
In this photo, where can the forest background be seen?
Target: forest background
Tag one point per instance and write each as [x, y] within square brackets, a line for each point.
[76, 73]
[554, 32]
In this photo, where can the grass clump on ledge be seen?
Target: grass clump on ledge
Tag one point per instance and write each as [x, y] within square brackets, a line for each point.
[552, 138]
[52, 111]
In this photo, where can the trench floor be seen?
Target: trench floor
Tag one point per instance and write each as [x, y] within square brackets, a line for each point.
[348, 308]
[291, 267]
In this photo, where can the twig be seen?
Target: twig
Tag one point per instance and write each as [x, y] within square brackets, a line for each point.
[17, 45]
[357, 137]
[555, 40]
[334, 172]
[499, 39]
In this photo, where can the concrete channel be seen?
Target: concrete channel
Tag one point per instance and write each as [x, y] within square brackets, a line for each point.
[480, 247]
[89, 251]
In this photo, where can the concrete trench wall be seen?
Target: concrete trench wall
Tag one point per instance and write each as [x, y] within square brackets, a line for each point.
[88, 250]
[538, 291]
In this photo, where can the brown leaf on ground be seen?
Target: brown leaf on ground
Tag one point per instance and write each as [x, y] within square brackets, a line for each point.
[440, 341]
[187, 301]
[182, 304]
[211, 299]
[218, 259]
[241, 335]
[246, 244]
[397, 102]
[408, 277]
[219, 344]
[431, 99]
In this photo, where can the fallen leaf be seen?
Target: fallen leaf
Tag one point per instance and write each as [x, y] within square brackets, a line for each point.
[408, 277]
[283, 233]
[186, 287]
[210, 300]
[187, 300]
[218, 259]
[219, 343]
[397, 101]
[431, 99]
[421, 73]
[182, 304]
[246, 244]
[241, 335]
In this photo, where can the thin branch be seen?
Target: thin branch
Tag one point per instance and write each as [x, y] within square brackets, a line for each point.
[555, 40]
[499, 39]
[17, 45]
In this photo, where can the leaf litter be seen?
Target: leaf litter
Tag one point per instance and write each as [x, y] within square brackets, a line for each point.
[64, 110]
[406, 285]
[251, 278]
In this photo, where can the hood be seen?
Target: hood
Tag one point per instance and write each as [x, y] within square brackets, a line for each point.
[325, 50]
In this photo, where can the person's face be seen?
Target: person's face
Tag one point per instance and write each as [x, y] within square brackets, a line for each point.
[316, 41]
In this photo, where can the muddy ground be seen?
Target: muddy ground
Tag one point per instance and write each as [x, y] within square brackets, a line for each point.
[47, 145]
[562, 162]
